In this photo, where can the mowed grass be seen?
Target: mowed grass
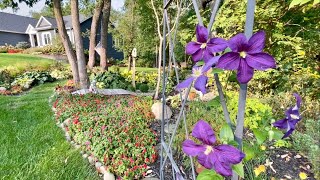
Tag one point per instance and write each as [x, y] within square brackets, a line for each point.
[23, 60]
[31, 145]
[144, 69]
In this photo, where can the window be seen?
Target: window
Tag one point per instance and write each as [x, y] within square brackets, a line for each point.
[46, 38]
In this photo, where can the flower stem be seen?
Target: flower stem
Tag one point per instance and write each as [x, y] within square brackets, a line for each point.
[240, 116]
[222, 100]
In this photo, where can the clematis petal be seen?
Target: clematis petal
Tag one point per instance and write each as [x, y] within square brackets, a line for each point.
[220, 167]
[238, 43]
[217, 45]
[229, 61]
[298, 102]
[203, 131]
[256, 42]
[202, 34]
[192, 149]
[210, 63]
[228, 154]
[200, 83]
[291, 127]
[281, 124]
[207, 55]
[245, 72]
[205, 160]
[192, 47]
[186, 83]
[260, 61]
[198, 55]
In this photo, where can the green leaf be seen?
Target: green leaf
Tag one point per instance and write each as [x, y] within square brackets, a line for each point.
[277, 134]
[226, 133]
[238, 168]
[215, 102]
[294, 3]
[249, 151]
[315, 2]
[200, 63]
[261, 136]
[216, 70]
[209, 175]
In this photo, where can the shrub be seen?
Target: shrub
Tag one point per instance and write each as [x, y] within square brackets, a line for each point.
[113, 129]
[29, 79]
[5, 77]
[33, 50]
[23, 45]
[144, 88]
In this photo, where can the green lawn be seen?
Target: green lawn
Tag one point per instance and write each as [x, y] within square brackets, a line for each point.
[31, 145]
[144, 69]
[23, 60]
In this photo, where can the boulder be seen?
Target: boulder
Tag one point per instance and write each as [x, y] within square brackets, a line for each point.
[157, 111]
[108, 176]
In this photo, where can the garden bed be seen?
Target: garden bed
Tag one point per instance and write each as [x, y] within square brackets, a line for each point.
[112, 130]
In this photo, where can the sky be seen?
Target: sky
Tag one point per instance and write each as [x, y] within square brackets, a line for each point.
[24, 9]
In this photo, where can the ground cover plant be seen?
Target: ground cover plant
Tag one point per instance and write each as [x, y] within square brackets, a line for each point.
[31, 145]
[113, 129]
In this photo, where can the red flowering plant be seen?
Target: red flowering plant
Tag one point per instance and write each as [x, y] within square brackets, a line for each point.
[113, 129]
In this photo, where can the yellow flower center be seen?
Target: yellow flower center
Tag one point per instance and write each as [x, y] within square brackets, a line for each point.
[203, 45]
[197, 72]
[243, 54]
[293, 116]
[209, 149]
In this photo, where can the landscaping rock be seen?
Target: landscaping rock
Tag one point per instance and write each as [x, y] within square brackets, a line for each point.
[67, 122]
[85, 156]
[98, 165]
[103, 170]
[169, 128]
[207, 97]
[91, 159]
[108, 176]
[157, 111]
[68, 137]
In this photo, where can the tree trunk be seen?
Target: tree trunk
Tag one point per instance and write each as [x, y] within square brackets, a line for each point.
[104, 32]
[65, 40]
[93, 33]
[129, 62]
[156, 95]
[79, 44]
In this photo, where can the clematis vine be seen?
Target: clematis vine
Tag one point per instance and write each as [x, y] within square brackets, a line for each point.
[292, 118]
[220, 158]
[198, 76]
[205, 47]
[246, 56]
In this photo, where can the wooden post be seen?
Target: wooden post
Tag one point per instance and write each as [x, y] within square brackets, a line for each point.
[134, 56]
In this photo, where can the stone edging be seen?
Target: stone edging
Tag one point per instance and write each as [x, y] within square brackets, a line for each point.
[92, 160]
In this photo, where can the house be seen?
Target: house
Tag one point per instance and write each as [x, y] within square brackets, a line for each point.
[41, 32]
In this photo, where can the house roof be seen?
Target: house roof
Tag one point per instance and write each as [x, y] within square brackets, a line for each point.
[67, 20]
[15, 23]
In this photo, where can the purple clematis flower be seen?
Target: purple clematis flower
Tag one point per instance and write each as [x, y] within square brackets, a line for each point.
[205, 47]
[246, 56]
[199, 76]
[292, 118]
[220, 158]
